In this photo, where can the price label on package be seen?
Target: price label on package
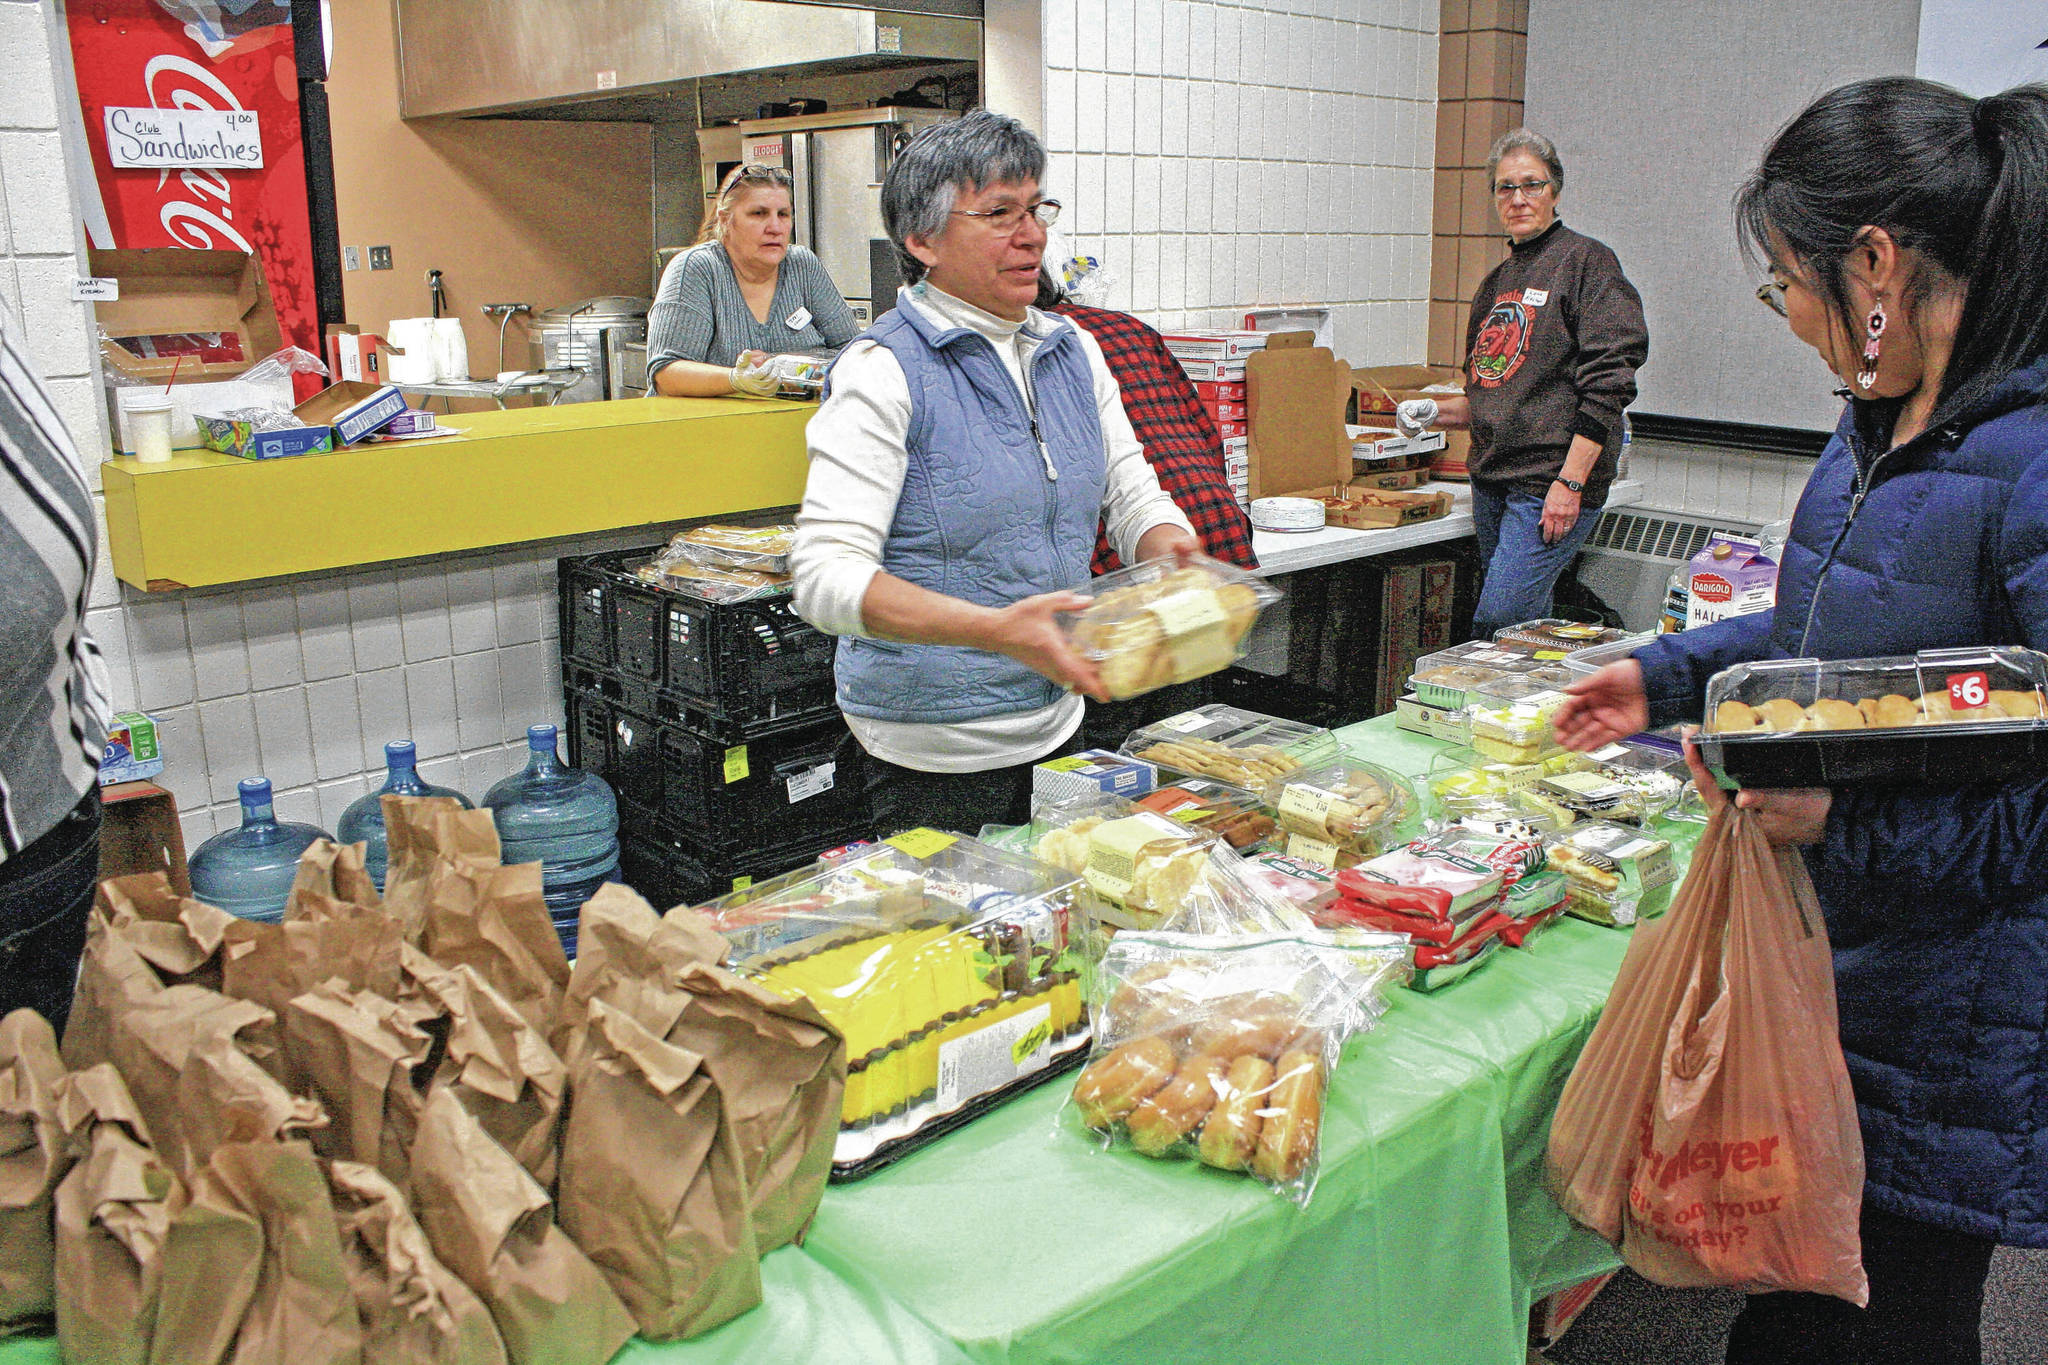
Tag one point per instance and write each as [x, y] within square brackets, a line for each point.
[1968, 691]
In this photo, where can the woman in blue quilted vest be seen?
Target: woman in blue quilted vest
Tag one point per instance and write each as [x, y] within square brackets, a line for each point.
[1902, 226]
[966, 447]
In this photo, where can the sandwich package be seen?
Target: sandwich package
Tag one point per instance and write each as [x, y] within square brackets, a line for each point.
[1227, 744]
[1338, 813]
[1939, 717]
[1614, 875]
[952, 969]
[1218, 1048]
[724, 563]
[1442, 900]
[1160, 622]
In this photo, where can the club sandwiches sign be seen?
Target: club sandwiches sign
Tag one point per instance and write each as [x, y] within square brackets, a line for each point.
[217, 139]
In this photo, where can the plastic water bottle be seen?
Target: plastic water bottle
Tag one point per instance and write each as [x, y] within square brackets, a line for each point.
[565, 819]
[363, 821]
[1677, 599]
[249, 871]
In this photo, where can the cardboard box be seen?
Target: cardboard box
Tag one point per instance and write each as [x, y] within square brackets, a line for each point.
[1381, 387]
[1213, 371]
[173, 290]
[132, 752]
[1211, 392]
[139, 832]
[1392, 481]
[1298, 392]
[1228, 412]
[1391, 509]
[353, 355]
[1215, 345]
[231, 436]
[1091, 771]
[1375, 443]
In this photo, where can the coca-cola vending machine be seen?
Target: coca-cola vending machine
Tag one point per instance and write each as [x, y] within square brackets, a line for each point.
[193, 62]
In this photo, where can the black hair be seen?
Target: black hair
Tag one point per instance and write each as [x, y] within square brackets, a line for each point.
[1963, 181]
[1049, 291]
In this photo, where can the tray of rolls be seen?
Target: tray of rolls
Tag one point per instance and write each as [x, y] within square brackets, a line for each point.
[1163, 621]
[1940, 717]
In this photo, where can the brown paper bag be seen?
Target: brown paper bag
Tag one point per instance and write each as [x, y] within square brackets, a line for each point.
[781, 1074]
[152, 1041]
[331, 940]
[34, 1156]
[358, 1052]
[493, 1226]
[331, 872]
[413, 1309]
[497, 1063]
[495, 919]
[422, 833]
[624, 949]
[224, 1097]
[141, 936]
[252, 1265]
[652, 1186]
[113, 1210]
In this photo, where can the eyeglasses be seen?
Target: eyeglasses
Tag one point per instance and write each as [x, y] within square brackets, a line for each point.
[1771, 294]
[1528, 189]
[1010, 217]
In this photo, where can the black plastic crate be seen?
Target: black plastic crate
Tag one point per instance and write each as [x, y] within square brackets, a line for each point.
[670, 872]
[743, 663]
[773, 790]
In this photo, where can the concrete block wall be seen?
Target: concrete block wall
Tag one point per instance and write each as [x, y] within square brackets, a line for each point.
[302, 680]
[1220, 156]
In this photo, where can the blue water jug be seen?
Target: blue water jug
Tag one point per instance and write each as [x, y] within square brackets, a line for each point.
[249, 871]
[565, 819]
[363, 821]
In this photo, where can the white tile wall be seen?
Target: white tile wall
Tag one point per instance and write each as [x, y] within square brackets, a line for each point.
[1709, 482]
[301, 680]
[1296, 138]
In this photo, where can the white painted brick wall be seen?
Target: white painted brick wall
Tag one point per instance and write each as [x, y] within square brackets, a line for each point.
[302, 680]
[1228, 155]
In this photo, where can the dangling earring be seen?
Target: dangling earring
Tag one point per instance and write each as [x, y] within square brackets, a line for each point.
[1873, 335]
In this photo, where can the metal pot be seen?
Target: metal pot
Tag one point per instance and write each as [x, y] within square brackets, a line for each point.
[588, 336]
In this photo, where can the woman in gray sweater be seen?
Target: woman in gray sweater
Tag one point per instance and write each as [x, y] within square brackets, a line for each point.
[742, 293]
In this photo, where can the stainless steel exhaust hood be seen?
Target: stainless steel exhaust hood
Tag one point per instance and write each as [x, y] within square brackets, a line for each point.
[628, 59]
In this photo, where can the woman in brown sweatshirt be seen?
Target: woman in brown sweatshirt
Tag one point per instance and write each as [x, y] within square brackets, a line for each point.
[1552, 348]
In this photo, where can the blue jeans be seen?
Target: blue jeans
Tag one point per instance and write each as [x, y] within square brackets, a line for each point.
[1520, 570]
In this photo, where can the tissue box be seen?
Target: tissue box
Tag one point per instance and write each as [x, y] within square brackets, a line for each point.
[132, 752]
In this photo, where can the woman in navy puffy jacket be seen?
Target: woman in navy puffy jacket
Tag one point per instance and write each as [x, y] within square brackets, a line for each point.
[1902, 224]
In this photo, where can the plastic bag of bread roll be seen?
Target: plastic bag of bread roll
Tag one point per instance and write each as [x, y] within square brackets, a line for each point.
[1220, 1049]
[1161, 622]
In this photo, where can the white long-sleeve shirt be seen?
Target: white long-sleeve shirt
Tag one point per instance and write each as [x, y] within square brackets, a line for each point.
[859, 456]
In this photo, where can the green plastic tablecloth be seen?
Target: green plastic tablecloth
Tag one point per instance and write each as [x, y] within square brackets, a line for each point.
[1015, 1240]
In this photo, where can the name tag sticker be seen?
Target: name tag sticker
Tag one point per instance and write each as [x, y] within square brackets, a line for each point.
[798, 320]
[1535, 298]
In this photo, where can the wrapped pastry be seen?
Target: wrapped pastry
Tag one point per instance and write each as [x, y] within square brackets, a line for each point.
[1157, 623]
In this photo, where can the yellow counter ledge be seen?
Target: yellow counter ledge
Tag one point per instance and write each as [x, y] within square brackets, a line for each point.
[203, 518]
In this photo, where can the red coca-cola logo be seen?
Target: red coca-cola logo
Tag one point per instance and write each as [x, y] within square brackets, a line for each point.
[1711, 587]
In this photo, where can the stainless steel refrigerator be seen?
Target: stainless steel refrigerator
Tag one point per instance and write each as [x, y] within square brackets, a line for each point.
[837, 161]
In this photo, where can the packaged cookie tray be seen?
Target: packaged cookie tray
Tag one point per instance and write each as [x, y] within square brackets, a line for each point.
[1551, 633]
[1941, 717]
[1446, 677]
[1136, 866]
[1219, 1048]
[953, 969]
[1341, 812]
[1244, 748]
[1161, 622]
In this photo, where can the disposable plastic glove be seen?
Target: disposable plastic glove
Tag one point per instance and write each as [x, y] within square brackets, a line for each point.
[1413, 416]
[754, 377]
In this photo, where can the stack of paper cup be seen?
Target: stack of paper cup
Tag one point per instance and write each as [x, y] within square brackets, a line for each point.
[451, 349]
[419, 362]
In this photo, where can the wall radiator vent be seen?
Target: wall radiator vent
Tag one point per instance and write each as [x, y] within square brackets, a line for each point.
[1629, 557]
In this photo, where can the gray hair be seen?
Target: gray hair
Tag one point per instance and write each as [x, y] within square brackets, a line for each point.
[1537, 145]
[925, 179]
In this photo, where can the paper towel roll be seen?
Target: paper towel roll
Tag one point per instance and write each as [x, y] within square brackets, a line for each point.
[419, 364]
[451, 349]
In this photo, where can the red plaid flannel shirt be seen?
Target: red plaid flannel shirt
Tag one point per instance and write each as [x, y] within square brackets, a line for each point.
[1179, 437]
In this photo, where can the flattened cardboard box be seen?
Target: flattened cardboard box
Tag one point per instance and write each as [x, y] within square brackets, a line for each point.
[1298, 392]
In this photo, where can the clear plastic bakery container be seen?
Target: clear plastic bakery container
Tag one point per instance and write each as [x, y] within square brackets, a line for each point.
[1593, 658]
[1614, 875]
[1229, 812]
[1939, 717]
[1445, 677]
[1160, 622]
[1340, 812]
[1136, 866]
[1551, 633]
[1244, 748]
[1514, 728]
[934, 955]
